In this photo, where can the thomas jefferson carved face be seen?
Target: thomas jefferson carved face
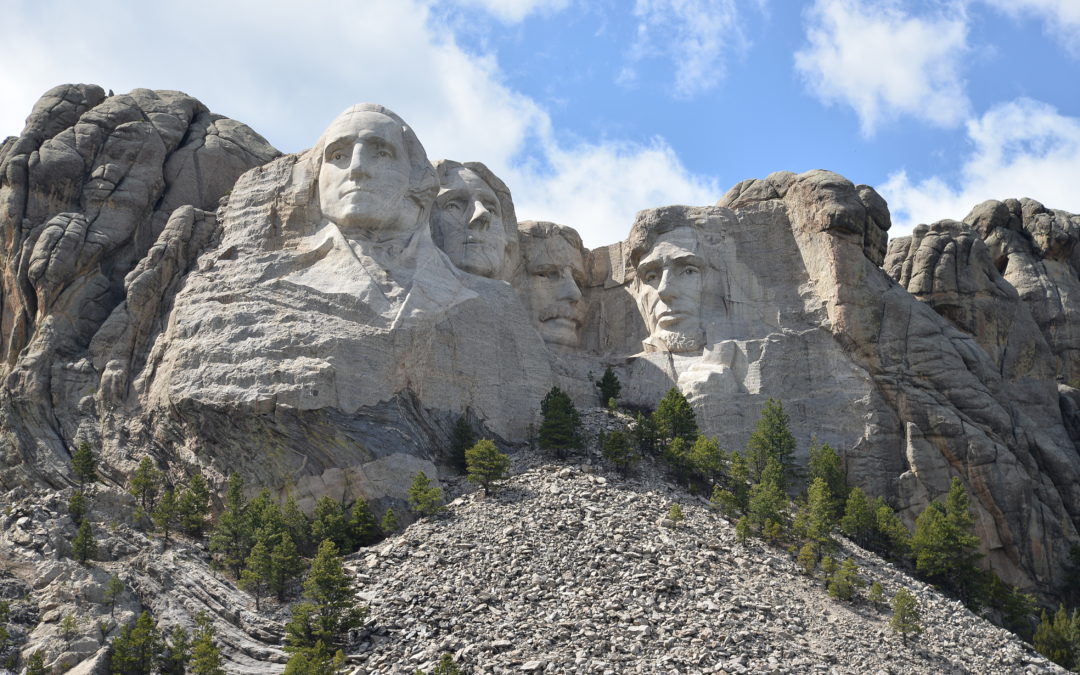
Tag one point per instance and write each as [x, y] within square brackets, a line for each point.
[364, 177]
[553, 271]
[468, 223]
[668, 289]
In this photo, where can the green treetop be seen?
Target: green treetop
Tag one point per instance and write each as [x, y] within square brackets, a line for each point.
[145, 484]
[945, 546]
[424, 498]
[609, 387]
[205, 655]
[674, 418]
[84, 464]
[486, 464]
[560, 431]
[772, 439]
[906, 616]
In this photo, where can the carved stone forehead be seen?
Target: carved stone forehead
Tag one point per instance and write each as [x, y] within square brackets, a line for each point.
[356, 120]
[461, 178]
[678, 243]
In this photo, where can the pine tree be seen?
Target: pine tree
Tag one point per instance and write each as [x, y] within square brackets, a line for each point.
[84, 464]
[424, 498]
[329, 588]
[486, 464]
[134, 650]
[859, 522]
[894, 539]
[708, 460]
[231, 538]
[825, 464]
[362, 526]
[177, 652]
[677, 456]
[609, 386]
[739, 479]
[876, 596]
[286, 566]
[446, 666]
[316, 660]
[724, 501]
[113, 590]
[906, 616]
[807, 558]
[945, 547]
[815, 519]
[205, 655]
[645, 435]
[35, 665]
[258, 572]
[772, 439]
[560, 431]
[77, 506]
[461, 440]
[83, 546]
[166, 514]
[767, 499]
[145, 484]
[329, 522]
[674, 418]
[264, 513]
[742, 530]
[845, 582]
[389, 523]
[193, 506]
[675, 514]
[298, 526]
[618, 450]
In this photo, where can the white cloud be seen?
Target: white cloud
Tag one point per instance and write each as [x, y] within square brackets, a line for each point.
[884, 62]
[287, 70]
[1061, 17]
[514, 11]
[696, 35]
[597, 189]
[1023, 148]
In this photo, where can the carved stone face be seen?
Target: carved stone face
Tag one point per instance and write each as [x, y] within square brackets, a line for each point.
[553, 268]
[364, 176]
[668, 290]
[468, 222]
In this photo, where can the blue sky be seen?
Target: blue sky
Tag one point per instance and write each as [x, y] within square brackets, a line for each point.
[593, 110]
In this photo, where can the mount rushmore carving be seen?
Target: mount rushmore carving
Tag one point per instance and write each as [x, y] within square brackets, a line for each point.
[318, 321]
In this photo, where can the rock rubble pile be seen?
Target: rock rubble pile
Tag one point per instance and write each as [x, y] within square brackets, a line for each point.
[569, 571]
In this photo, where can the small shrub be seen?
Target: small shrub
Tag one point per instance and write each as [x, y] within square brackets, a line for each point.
[675, 514]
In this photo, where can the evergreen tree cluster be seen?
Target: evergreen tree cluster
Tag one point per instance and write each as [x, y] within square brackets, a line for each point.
[141, 649]
[1058, 638]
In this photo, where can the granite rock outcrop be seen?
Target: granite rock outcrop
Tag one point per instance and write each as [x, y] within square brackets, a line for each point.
[172, 285]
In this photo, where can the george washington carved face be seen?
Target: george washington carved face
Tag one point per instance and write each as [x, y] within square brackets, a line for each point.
[374, 179]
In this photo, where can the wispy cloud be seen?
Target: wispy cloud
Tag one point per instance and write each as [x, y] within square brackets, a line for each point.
[1060, 17]
[513, 11]
[1023, 148]
[393, 52]
[697, 36]
[884, 62]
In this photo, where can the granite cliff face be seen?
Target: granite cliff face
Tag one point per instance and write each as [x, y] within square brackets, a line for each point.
[171, 285]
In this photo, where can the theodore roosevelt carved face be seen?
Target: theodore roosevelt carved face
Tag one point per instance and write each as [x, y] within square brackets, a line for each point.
[668, 284]
[469, 222]
[553, 269]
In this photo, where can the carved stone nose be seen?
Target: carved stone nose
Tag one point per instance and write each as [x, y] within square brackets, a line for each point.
[481, 218]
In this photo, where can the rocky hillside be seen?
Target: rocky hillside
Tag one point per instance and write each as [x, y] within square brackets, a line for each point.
[566, 569]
